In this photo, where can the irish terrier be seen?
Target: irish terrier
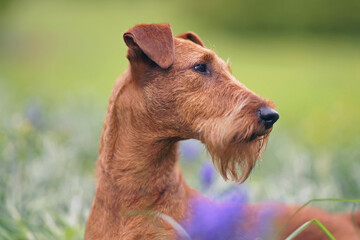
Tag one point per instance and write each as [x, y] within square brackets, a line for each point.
[175, 89]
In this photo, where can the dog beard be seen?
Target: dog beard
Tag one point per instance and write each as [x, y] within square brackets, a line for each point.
[235, 152]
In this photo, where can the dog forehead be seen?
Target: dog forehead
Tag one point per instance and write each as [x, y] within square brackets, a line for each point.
[185, 47]
[192, 53]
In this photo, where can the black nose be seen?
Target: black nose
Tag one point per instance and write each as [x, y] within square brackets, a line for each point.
[268, 116]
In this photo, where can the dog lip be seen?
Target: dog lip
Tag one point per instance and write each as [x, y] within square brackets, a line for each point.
[254, 136]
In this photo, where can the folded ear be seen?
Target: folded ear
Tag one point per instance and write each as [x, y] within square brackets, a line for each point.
[192, 37]
[154, 40]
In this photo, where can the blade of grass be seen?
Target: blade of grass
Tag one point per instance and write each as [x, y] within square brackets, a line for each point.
[353, 220]
[308, 223]
[315, 200]
[184, 235]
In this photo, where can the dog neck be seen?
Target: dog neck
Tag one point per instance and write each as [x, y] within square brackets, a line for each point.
[136, 169]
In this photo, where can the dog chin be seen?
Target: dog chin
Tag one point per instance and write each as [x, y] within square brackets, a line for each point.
[236, 160]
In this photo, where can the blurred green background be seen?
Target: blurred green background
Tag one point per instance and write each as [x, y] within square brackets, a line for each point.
[59, 61]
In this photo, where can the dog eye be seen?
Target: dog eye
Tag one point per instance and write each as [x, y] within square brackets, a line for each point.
[201, 68]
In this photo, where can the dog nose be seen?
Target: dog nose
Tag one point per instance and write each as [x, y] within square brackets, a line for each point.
[268, 116]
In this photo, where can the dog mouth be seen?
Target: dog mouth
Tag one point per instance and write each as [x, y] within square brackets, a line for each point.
[255, 136]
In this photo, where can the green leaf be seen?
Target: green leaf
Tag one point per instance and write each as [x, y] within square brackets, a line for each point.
[315, 200]
[308, 223]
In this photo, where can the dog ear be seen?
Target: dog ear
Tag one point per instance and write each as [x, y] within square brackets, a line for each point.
[192, 37]
[154, 40]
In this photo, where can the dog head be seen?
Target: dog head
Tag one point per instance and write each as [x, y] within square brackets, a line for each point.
[189, 92]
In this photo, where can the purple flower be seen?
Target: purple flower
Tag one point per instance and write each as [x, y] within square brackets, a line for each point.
[226, 220]
[190, 149]
[207, 175]
[235, 194]
[33, 113]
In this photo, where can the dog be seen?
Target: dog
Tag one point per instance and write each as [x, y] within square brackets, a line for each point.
[176, 89]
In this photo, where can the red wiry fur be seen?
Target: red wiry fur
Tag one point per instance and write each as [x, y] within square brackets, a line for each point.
[158, 101]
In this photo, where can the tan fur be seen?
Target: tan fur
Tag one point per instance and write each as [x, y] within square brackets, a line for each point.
[158, 101]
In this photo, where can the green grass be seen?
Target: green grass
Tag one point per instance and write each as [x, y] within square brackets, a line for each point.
[307, 224]
[59, 61]
[63, 50]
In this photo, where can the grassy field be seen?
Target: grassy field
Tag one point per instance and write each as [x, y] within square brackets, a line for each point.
[58, 63]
